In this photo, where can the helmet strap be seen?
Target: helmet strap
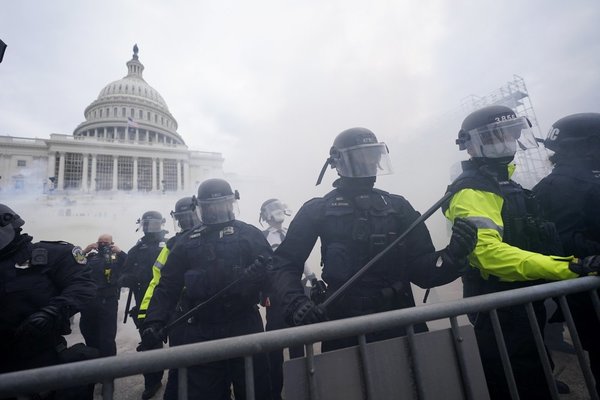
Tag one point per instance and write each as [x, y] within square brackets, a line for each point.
[327, 162]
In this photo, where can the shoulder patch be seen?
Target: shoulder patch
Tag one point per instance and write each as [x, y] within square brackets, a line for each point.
[78, 255]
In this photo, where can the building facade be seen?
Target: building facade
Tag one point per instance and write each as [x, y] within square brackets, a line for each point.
[128, 142]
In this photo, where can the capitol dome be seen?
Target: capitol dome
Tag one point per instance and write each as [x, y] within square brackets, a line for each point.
[130, 110]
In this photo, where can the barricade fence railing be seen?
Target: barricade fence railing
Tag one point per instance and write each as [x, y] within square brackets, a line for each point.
[105, 370]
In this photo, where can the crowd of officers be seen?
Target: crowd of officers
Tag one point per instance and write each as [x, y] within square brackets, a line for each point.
[207, 281]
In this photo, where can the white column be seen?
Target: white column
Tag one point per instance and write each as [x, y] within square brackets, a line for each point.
[94, 185]
[115, 172]
[137, 135]
[187, 179]
[161, 174]
[153, 174]
[135, 174]
[84, 174]
[61, 171]
[179, 186]
[51, 164]
[6, 172]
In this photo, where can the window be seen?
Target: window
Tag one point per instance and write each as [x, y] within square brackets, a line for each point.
[132, 112]
[73, 170]
[104, 172]
[21, 163]
[148, 115]
[169, 175]
[123, 112]
[144, 174]
[125, 173]
[115, 112]
[140, 114]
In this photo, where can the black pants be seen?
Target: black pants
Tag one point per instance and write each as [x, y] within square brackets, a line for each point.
[212, 381]
[98, 324]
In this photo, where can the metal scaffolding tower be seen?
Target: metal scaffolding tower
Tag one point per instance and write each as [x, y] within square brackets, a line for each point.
[533, 164]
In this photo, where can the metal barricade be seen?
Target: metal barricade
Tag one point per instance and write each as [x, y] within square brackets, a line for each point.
[107, 369]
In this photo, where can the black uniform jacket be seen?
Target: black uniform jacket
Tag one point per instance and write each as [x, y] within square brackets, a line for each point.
[354, 225]
[570, 197]
[52, 277]
[205, 260]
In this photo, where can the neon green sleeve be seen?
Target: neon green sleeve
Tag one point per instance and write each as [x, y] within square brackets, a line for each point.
[492, 256]
[158, 264]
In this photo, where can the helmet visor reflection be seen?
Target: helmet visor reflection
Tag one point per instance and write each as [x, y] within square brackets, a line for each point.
[367, 160]
[219, 210]
[185, 219]
[274, 206]
[501, 139]
[151, 225]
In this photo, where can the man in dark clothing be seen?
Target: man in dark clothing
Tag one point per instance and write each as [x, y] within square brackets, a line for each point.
[137, 275]
[570, 197]
[355, 222]
[222, 252]
[41, 286]
[98, 323]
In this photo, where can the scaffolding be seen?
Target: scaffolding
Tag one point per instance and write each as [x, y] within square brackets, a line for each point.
[533, 164]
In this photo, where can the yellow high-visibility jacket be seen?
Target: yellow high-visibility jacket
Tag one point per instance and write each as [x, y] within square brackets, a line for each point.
[492, 256]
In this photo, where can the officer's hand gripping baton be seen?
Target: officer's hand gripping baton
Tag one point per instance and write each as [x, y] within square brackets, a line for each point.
[383, 252]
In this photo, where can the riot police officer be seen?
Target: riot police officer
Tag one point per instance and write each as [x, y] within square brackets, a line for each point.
[41, 286]
[516, 247]
[355, 222]
[137, 275]
[98, 323]
[185, 218]
[569, 197]
[205, 260]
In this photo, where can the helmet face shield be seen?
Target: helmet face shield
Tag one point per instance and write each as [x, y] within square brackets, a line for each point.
[218, 210]
[151, 225]
[276, 211]
[501, 139]
[185, 220]
[362, 161]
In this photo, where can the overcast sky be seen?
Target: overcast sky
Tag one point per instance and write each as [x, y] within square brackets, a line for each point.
[270, 83]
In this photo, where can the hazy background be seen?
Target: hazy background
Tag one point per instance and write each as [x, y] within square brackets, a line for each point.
[270, 83]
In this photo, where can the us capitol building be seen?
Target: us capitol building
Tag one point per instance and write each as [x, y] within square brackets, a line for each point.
[128, 142]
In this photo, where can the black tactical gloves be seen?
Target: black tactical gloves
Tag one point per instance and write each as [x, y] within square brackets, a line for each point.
[585, 266]
[307, 312]
[257, 271]
[463, 239]
[44, 322]
[153, 335]
[318, 291]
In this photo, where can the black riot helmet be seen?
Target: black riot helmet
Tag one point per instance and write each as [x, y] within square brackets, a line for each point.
[151, 222]
[10, 222]
[217, 201]
[356, 153]
[185, 214]
[494, 132]
[574, 132]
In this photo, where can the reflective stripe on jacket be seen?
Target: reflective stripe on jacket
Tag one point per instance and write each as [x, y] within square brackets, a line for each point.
[493, 256]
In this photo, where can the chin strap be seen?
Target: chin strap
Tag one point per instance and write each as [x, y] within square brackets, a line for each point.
[327, 162]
